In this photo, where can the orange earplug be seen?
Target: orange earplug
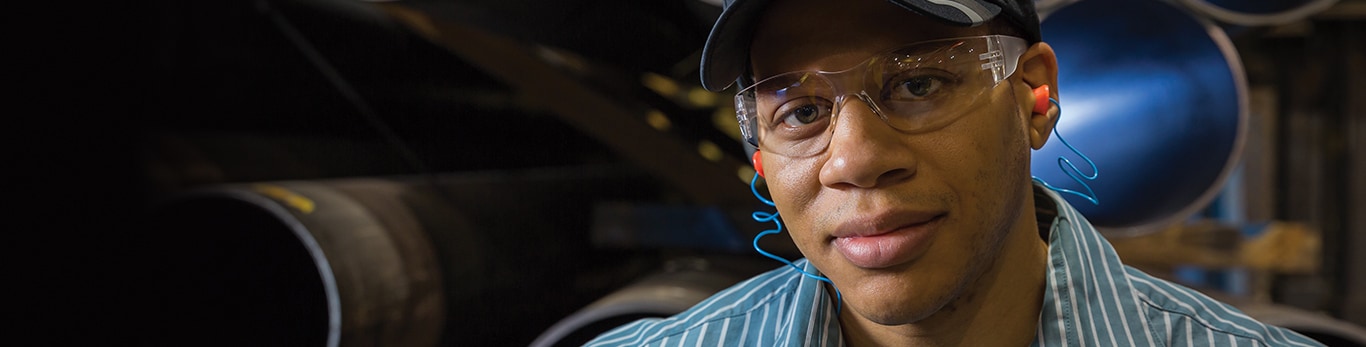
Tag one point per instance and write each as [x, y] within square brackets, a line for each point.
[758, 163]
[1041, 96]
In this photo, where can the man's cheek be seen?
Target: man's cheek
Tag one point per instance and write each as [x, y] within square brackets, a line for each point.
[797, 182]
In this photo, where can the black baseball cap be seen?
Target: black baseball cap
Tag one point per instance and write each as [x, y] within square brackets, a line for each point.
[727, 50]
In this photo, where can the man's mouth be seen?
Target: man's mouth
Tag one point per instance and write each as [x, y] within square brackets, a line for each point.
[887, 239]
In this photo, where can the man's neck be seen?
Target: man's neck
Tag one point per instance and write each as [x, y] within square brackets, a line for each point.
[1000, 309]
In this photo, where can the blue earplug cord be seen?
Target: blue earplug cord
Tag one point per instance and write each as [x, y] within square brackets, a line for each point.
[764, 217]
[1074, 173]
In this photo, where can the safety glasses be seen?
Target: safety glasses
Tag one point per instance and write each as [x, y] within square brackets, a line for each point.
[915, 88]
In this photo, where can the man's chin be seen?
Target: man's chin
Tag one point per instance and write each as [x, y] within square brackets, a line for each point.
[901, 312]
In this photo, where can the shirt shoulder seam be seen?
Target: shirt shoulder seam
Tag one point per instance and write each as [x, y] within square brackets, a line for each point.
[1143, 297]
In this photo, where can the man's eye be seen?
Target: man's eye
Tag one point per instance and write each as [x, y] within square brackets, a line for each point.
[804, 114]
[918, 87]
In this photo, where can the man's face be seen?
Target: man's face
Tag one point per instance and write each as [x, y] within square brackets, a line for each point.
[940, 202]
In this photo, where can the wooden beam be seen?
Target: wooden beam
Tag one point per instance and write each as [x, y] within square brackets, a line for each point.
[601, 116]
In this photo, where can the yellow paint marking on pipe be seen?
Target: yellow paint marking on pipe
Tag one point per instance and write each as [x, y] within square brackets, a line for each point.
[298, 202]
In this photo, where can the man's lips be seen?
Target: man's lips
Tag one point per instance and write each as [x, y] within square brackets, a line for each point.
[887, 239]
[882, 223]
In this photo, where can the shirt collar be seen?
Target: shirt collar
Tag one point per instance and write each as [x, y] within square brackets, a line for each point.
[1086, 281]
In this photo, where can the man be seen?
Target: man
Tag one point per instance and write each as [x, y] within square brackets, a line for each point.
[895, 139]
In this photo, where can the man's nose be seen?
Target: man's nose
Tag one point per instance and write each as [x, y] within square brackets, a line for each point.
[864, 151]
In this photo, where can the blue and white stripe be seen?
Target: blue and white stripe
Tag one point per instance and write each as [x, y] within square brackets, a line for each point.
[778, 308]
[1091, 299]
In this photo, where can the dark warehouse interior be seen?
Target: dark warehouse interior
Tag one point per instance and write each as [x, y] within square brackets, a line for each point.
[539, 156]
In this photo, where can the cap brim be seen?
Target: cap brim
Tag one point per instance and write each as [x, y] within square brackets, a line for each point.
[727, 47]
[728, 44]
[959, 12]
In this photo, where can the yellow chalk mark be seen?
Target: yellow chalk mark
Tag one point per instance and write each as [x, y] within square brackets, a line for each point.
[658, 120]
[746, 173]
[660, 84]
[701, 97]
[710, 151]
[298, 202]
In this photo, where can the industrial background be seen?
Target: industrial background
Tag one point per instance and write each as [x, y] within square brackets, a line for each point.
[507, 173]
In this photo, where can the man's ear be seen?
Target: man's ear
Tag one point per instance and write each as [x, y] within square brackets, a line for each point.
[1039, 67]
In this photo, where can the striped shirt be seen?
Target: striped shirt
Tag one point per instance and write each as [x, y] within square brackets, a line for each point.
[1091, 299]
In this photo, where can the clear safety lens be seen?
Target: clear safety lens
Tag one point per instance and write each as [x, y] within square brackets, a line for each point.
[915, 88]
